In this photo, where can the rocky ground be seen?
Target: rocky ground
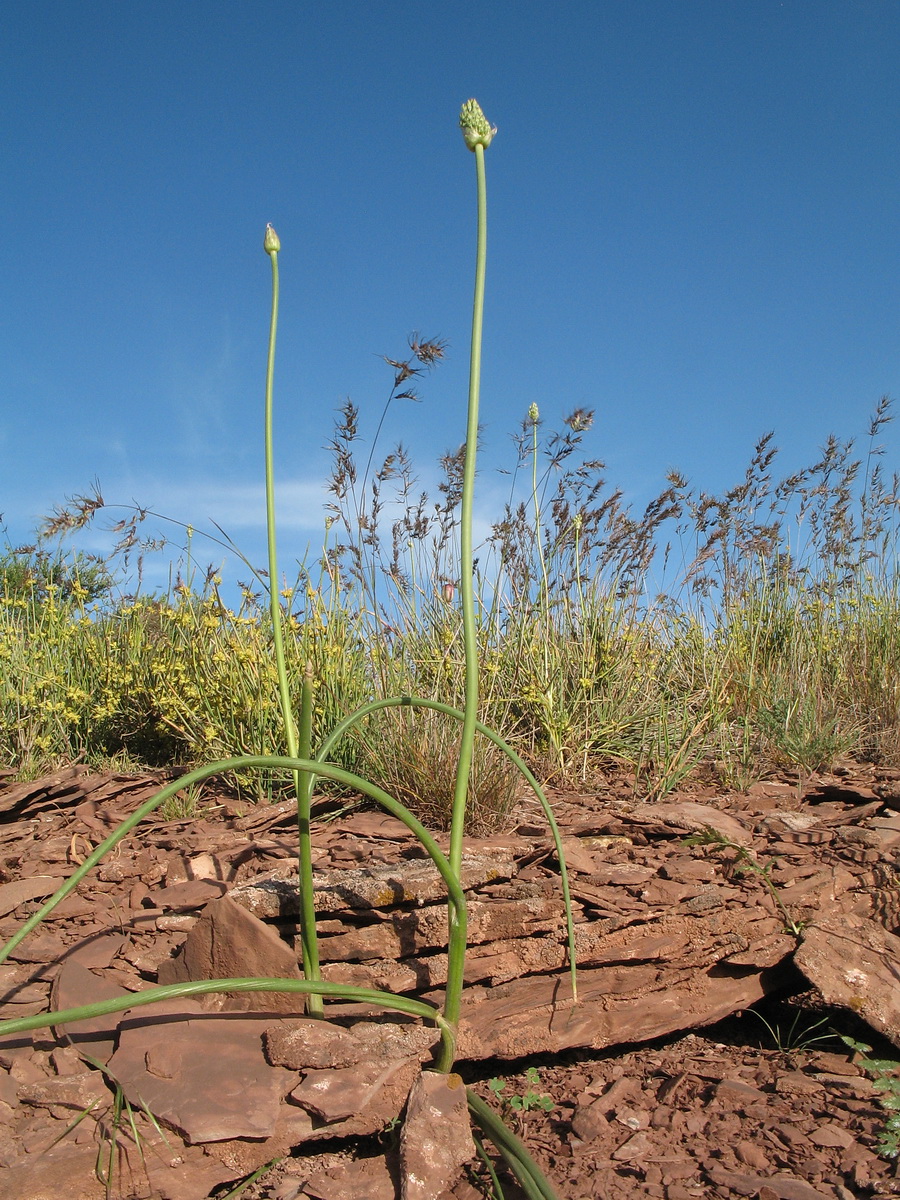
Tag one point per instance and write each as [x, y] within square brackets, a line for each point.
[695, 918]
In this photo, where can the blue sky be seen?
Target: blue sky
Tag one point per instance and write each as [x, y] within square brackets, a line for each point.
[693, 209]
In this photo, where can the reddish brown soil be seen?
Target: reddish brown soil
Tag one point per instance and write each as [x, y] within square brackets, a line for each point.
[701, 1117]
[713, 1113]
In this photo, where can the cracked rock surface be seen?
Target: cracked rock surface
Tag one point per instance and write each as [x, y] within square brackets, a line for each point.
[635, 1094]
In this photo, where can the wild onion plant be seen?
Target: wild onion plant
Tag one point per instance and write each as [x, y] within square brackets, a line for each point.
[298, 741]
[304, 768]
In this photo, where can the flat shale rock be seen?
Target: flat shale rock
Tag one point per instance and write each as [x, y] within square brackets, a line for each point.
[227, 942]
[206, 1075]
[185, 1175]
[437, 1138]
[67, 1096]
[854, 964]
[368, 1178]
[410, 881]
[414, 931]
[187, 895]
[37, 887]
[97, 949]
[773, 1187]
[243, 1155]
[353, 1101]
[693, 817]
[63, 786]
[767, 952]
[616, 1005]
[62, 1171]
[309, 1043]
[76, 986]
[354, 1081]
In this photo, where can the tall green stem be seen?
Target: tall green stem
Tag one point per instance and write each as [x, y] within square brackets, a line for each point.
[544, 605]
[533, 1181]
[302, 788]
[466, 582]
[478, 134]
[304, 782]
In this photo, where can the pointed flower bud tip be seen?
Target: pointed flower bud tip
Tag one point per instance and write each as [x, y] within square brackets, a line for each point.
[533, 413]
[476, 129]
[272, 242]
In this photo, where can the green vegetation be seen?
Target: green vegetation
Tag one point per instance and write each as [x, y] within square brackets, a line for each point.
[745, 862]
[525, 1101]
[801, 1036]
[32, 571]
[768, 650]
[885, 1075]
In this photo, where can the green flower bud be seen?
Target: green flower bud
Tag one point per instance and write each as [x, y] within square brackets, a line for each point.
[533, 413]
[272, 242]
[477, 131]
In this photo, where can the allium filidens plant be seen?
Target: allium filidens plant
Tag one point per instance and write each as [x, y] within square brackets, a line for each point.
[478, 135]
[299, 761]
